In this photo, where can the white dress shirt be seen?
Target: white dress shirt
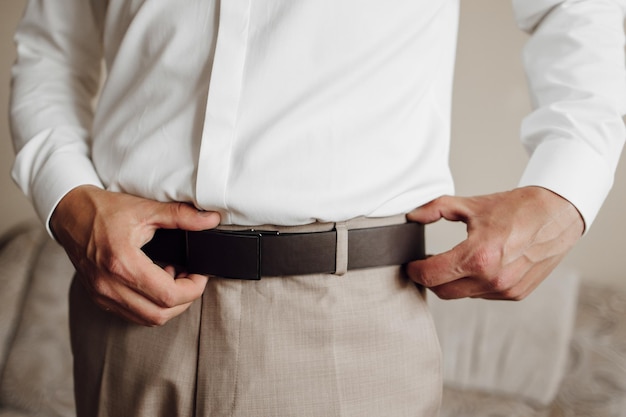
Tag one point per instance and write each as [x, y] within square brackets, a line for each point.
[290, 111]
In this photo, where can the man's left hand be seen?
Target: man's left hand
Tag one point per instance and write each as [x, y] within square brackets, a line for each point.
[514, 240]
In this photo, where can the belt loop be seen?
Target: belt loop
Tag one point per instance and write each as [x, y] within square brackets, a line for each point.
[341, 253]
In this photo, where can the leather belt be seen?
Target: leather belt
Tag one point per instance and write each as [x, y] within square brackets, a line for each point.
[251, 254]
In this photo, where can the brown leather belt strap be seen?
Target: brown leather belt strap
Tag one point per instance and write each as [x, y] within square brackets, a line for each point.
[252, 254]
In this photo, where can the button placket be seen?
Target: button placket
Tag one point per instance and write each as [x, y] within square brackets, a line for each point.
[220, 123]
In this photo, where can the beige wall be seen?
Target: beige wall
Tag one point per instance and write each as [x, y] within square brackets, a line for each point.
[490, 100]
[13, 205]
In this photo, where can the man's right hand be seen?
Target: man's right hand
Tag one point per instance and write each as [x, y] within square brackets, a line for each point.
[103, 233]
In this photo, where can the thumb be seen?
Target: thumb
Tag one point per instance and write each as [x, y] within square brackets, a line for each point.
[448, 207]
[183, 216]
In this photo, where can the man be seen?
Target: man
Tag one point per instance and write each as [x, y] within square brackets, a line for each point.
[299, 119]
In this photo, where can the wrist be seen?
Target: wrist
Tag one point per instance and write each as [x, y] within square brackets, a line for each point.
[560, 208]
[66, 211]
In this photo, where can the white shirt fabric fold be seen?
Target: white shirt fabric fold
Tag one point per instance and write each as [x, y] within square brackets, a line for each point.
[286, 112]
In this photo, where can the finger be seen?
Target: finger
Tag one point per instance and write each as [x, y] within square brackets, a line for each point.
[112, 301]
[440, 269]
[460, 288]
[143, 276]
[447, 207]
[133, 306]
[175, 273]
[166, 291]
[530, 280]
[183, 216]
[136, 308]
[504, 283]
[170, 269]
[517, 293]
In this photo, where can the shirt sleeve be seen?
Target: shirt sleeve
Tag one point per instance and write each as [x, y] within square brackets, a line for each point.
[575, 66]
[54, 81]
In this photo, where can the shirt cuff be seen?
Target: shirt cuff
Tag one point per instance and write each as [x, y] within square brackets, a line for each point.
[46, 177]
[569, 169]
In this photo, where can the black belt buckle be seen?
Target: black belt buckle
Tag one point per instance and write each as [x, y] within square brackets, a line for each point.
[228, 254]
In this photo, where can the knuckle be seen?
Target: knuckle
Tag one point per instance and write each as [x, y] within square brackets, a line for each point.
[499, 285]
[481, 260]
[507, 288]
[427, 281]
[100, 286]
[158, 318]
[444, 199]
[485, 260]
[114, 266]
[167, 300]
[419, 277]
[177, 209]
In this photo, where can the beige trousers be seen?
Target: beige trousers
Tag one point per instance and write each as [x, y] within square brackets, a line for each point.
[359, 345]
